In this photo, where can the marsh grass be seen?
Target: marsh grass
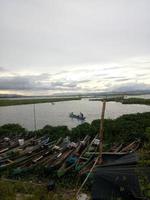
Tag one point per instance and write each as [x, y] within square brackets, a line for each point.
[11, 102]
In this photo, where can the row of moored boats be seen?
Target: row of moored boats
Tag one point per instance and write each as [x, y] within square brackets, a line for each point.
[60, 155]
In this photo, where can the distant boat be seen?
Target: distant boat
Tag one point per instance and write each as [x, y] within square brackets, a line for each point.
[52, 103]
[79, 117]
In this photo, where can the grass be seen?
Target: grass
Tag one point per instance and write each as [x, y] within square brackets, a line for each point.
[19, 190]
[127, 101]
[11, 102]
[136, 101]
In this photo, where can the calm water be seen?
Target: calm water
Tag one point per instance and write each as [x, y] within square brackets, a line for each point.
[58, 114]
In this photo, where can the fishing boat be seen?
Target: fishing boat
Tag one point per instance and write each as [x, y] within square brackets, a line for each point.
[79, 117]
[70, 162]
[112, 156]
[61, 154]
[34, 160]
[87, 155]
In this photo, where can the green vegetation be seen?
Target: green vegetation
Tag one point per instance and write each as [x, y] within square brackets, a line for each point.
[136, 101]
[126, 101]
[19, 190]
[12, 130]
[123, 129]
[11, 102]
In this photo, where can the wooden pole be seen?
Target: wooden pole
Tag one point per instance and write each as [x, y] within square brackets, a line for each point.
[101, 133]
[99, 158]
[34, 117]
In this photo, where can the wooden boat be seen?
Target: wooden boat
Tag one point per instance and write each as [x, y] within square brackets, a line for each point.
[73, 158]
[32, 161]
[61, 152]
[25, 157]
[132, 147]
[111, 156]
[87, 155]
[79, 117]
[26, 149]
[60, 159]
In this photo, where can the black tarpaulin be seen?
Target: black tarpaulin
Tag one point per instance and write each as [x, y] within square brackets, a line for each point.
[128, 159]
[118, 179]
[112, 182]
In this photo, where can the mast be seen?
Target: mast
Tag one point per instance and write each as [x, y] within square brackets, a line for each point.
[101, 133]
[34, 117]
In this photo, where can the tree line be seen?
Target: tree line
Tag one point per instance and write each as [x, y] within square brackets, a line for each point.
[122, 129]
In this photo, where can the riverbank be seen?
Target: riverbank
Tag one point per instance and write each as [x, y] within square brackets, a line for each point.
[122, 100]
[12, 102]
[122, 129]
[34, 177]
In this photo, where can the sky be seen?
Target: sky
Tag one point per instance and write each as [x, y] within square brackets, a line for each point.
[74, 46]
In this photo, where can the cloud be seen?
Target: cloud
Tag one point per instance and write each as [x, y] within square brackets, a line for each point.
[2, 69]
[47, 34]
[47, 83]
[131, 87]
[79, 45]
[88, 78]
[30, 82]
[36, 83]
[123, 79]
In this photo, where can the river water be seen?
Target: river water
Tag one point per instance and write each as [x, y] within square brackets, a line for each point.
[58, 114]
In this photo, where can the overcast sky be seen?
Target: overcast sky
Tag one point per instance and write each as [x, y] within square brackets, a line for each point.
[55, 46]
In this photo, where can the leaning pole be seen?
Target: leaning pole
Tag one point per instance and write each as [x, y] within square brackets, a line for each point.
[101, 133]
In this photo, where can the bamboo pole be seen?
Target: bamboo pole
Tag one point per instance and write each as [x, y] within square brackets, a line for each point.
[99, 158]
[101, 133]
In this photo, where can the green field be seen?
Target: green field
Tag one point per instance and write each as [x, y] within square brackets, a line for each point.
[11, 102]
[126, 101]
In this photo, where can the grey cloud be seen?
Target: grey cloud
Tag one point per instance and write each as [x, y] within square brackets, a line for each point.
[2, 69]
[131, 87]
[57, 83]
[109, 77]
[62, 72]
[28, 82]
[112, 67]
[36, 83]
[123, 79]
[84, 81]
[99, 74]
[143, 75]
[63, 84]
[68, 84]
[20, 83]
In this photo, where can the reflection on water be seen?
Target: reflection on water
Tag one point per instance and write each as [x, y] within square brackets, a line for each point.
[58, 114]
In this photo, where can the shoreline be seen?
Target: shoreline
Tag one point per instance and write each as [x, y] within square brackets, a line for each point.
[10, 102]
[140, 101]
